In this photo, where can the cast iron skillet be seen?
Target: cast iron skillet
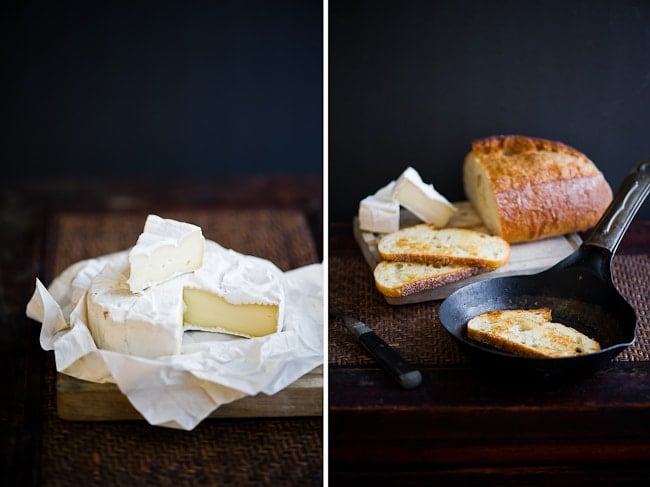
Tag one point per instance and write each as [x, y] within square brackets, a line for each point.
[579, 291]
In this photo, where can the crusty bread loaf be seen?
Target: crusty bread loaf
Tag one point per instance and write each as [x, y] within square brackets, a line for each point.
[397, 279]
[528, 188]
[427, 244]
[529, 333]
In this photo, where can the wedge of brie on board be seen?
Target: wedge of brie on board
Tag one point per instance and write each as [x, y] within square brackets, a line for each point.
[380, 212]
[165, 249]
[422, 199]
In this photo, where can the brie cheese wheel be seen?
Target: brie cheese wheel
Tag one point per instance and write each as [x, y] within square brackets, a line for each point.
[231, 293]
[422, 199]
[379, 213]
[165, 249]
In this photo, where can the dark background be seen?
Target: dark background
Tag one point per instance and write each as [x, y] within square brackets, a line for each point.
[414, 82]
[161, 89]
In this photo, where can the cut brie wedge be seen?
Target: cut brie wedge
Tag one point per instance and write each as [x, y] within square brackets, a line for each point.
[165, 249]
[422, 199]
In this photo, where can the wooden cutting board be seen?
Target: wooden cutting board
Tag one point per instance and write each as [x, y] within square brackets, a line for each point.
[280, 235]
[525, 258]
[79, 400]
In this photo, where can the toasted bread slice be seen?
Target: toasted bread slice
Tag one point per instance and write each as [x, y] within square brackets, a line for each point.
[397, 279]
[427, 244]
[530, 333]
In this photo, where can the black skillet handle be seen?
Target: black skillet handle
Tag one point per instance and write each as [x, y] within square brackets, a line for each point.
[597, 250]
[611, 227]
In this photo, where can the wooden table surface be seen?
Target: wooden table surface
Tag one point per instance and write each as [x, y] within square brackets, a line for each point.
[466, 426]
[26, 213]
[460, 429]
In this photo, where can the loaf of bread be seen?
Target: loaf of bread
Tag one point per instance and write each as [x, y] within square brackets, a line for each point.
[528, 188]
[530, 333]
[448, 246]
[398, 279]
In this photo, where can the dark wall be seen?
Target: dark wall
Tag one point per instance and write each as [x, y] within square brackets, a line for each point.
[414, 82]
[161, 88]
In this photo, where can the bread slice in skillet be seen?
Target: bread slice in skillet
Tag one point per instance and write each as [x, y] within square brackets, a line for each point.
[530, 333]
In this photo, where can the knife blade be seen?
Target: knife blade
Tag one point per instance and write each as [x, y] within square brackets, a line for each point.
[390, 360]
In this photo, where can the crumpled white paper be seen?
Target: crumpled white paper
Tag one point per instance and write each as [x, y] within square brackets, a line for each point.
[213, 369]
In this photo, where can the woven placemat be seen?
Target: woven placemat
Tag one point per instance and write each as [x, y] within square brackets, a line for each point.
[631, 275]
[415, 329]
[261, 451]
[267, 451]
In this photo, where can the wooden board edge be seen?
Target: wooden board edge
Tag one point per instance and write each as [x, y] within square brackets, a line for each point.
[79, 400]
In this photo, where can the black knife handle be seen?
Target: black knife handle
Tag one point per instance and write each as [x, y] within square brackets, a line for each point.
[398, 368]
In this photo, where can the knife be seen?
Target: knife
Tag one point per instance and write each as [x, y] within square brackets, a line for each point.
[390, 360]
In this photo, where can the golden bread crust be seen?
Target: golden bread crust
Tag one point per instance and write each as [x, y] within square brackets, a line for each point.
[514, 161]
[407, 284]
[542, 188]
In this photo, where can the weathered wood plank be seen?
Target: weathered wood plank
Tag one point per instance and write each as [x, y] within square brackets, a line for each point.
[79, 400]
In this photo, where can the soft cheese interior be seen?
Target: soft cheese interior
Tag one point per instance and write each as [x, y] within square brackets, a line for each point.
[234, 293]
[206, 310]
[230, 292]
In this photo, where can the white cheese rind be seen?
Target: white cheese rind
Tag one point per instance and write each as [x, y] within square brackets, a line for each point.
[422, 199]
[165, 249]
[379, 213]
[151, 323]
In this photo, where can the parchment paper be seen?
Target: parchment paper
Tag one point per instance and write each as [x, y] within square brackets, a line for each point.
[179, 391]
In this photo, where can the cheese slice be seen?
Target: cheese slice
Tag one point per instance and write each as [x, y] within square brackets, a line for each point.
[166, 248]
[231, 293]
[209, 311]
[234, 293]
[379, 213]
[422, 199]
